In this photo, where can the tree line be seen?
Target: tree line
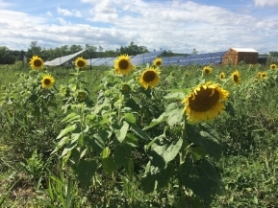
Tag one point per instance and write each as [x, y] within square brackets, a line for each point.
[8, 56]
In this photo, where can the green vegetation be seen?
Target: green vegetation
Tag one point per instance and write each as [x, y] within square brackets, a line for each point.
[100, 139]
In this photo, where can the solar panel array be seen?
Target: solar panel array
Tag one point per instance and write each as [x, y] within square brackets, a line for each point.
[203, 59]
[140, 59]
[147, 58]
[61, 60]
[173, 60]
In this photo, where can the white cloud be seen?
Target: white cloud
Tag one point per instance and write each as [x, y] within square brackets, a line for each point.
[263, 3]
[49, 14]
[66, 12]
[179, 26]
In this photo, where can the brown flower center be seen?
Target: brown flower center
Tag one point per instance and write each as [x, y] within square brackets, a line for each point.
[149, 76]
[158, 63]
[80, 63]
[37, 63]
[236, 79]
[207, 71]
[46, 81]
[204, 100]
[123, 64]
[273, 66]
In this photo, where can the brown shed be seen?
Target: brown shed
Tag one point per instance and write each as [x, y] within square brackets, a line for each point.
[235, 55]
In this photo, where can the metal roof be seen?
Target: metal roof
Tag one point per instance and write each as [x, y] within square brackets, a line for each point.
[245, 50]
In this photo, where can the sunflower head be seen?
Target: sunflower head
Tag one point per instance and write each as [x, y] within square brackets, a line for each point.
[80, 62]
[36, 63]
[47, 81]
[236, 77]
[222, 75]
[123, 65]
[205, 102]
[263, 75]
[273, 66]
[207, 70]
[81, 95]
[259, 74]
[150, 77]
[250, 66]
[125, 88]
[157, 62]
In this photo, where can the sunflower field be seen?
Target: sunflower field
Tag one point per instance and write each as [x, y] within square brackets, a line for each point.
[138, 136]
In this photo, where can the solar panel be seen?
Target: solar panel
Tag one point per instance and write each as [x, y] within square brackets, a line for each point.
[173, 60]
[63, 59]
[203, 59]
[103, 61]
[92, 61]
[145, 58]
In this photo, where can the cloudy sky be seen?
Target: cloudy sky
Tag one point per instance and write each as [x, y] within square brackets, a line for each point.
[177, 25]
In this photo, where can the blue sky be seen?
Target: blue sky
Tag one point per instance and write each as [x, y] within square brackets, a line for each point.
[177, 25]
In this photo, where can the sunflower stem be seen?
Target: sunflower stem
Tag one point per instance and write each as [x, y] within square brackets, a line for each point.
[185, 141]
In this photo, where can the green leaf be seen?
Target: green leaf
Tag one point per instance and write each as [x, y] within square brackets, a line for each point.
[85, 171]
[130, 118]
[121, 133]
[162, 118]
[66, 130]
[174, 114]
[168, 150]
[206, 137]
[122, 154]
[174, 96]
[131, 140]
[150, 182]
[197, 152]
[139, 132]
[105, 152]
[109, 165]
[61, 143]
[71, 117]
[201, 178]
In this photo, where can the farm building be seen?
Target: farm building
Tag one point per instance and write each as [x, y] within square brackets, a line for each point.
[236, 55]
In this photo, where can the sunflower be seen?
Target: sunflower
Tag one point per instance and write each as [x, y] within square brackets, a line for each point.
[236, 77]
[273, 66]
[123, 65]
[263, 75]
[36, 63]
[149, 78]
[205, 102]
[125, 89]
[81, 95]
[47, 81]
[207, 70]
[80, 62]
[157, 62]
[259, 74]
[222, 75]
